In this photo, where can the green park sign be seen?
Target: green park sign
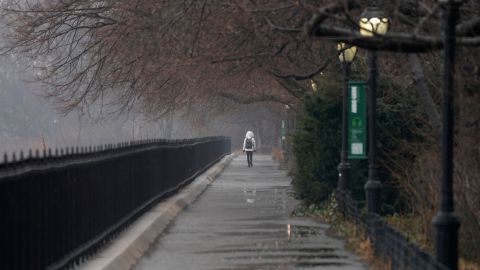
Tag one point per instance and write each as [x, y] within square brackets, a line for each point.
[357, 120]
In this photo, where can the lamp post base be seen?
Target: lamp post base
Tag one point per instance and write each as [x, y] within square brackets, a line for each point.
[343, 175]
[446, 235]
[372, 190]
[344, 169]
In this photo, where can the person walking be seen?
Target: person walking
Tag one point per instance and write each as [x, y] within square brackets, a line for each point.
[249, 147]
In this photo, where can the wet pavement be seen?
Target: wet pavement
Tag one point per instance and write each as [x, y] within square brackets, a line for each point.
[243, 221]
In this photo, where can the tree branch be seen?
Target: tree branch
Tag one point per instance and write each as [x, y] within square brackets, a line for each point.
[241, 99]
[326, 11]
[393, 41]
[292, 87]
[469, 28]
[304, 76]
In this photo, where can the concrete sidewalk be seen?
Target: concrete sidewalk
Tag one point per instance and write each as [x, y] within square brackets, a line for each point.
[243, 221]
[125, 251]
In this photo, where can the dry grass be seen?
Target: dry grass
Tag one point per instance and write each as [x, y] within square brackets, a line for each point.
[410, 225]
[277, 154]
[464, 265]
[364, 248]
[342, 228]
[361, 246]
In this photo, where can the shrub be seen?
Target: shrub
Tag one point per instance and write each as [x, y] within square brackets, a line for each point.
[317, 145]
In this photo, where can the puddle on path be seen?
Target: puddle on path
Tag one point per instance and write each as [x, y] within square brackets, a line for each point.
[243, 221]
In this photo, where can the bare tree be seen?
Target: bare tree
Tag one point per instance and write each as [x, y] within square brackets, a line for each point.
[164, 54]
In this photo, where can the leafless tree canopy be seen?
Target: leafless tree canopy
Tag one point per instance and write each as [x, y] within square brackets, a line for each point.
[186, 53]
[163, 54]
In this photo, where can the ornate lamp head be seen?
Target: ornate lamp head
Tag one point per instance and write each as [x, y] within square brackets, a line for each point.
[373, 22]
[346, 52]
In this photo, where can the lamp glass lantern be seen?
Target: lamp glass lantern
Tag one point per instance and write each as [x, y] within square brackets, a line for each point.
[314, 85]
[346, 52]
[373, 22]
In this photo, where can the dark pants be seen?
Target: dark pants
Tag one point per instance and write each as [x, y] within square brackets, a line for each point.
[249, 158]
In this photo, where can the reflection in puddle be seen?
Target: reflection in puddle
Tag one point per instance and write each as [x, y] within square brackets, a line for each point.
[296, 231]
[249, 200]
[252, 192]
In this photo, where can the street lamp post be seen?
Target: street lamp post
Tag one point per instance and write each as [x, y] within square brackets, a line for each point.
[55, 130]
[346, 55]
[286, 136]
[446, 222]
[373, 22]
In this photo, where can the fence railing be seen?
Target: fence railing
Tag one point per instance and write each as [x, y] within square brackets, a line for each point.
[388, 243]
[56, 209]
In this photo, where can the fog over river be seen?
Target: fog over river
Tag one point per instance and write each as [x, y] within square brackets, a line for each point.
[31, 121]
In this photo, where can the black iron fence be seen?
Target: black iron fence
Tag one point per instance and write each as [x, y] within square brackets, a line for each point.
[388, 243]
[57, 208]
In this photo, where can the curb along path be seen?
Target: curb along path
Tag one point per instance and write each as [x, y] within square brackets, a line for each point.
[243, 221]
[133, 243]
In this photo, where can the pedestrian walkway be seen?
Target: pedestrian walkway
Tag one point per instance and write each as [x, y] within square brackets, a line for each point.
[243, 221]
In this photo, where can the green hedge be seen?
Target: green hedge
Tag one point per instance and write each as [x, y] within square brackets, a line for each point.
[317, 143]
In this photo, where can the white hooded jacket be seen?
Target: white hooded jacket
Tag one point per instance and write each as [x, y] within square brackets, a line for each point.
[249, 135]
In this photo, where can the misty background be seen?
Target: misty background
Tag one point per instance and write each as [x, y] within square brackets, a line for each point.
[30, 121]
